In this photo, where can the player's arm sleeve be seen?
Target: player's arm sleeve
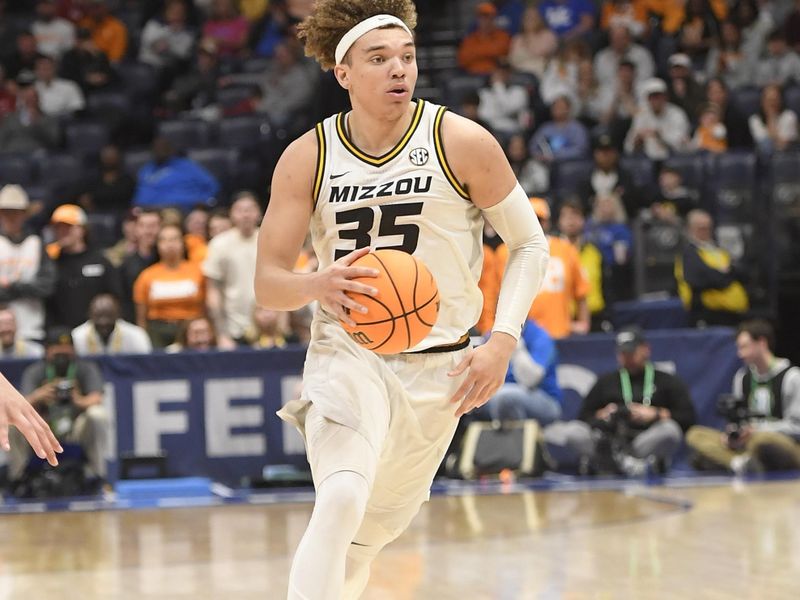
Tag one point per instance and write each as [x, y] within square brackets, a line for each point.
[528, 252]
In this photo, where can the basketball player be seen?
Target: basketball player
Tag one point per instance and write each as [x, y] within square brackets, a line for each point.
[399, 173]
[16, 410]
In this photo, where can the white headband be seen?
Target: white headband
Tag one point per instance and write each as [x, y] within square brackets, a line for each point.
[363, 27]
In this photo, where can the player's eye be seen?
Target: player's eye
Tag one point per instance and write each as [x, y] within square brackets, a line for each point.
[376, 60]
[409, 57]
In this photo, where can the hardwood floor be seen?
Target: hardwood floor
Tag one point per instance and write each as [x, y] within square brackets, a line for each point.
[730, 541]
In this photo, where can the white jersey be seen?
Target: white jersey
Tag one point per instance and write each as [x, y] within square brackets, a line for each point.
[407, 199]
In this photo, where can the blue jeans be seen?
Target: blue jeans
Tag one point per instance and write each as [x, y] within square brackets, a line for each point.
[514, 402]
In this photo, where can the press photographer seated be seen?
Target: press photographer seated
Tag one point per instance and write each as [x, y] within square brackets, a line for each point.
[68, 393]
[764, 433]
[632, 417]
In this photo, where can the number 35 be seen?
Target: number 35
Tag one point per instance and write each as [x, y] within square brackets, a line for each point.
[364, 218]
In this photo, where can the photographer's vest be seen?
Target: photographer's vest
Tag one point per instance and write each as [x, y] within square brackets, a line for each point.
[764, 397]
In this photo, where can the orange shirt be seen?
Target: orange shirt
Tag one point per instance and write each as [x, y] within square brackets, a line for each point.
[479, 53]
[637, 11]
[489, 284]
[564, 283]
[706, 140]
[196, 248]
[171, 294]
[110, 36]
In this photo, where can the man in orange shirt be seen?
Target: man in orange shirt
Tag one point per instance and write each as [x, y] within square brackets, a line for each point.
[481, 49]
[561, 306]
[108, 33]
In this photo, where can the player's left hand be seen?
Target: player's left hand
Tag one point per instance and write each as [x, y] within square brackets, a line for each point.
[16, 410]
[487, 366]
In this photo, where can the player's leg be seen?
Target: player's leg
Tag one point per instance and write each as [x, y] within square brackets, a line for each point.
[343, 463]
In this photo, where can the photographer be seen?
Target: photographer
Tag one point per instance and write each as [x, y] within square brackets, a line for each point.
[763, 432]
[68, 394]
[632, 417]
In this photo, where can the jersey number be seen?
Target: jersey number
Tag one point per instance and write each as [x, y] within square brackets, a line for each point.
[364, 218]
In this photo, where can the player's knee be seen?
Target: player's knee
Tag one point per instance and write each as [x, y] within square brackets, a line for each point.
[343, 497]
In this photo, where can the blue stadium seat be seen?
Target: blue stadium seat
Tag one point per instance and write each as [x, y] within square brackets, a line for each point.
[785, 228]
[792, 98]
[16, 168]
[135, 160]
[185, 134]
[139, 79]
[60, 169]
[104, 229]
[243, 132]
[692, 169]
[567, 175]
[640, 168]
[220, 162]
[747, 100]
[732, 177]
[86, 138]
[656, 246]
[104, 101]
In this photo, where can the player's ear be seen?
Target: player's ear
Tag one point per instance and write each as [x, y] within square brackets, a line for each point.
[342, 74]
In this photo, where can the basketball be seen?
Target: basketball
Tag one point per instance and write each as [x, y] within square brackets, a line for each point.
[405, 309]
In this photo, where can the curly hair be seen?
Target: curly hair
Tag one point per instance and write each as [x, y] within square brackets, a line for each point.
[331, 19]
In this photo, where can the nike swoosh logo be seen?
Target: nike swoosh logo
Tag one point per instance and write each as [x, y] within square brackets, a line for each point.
[339, 175]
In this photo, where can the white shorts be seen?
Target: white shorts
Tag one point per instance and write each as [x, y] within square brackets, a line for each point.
[398, 421]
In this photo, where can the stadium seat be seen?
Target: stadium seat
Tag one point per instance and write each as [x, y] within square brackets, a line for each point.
[139, 79]
[256, 65]
[220, 162]
[185, 134]
[243, 132]
[732, 177]
[16, 168]
[567, 175]
[104, 229]
[61, 169]
[640, 168]
[792, 98]
[656, 246]
[86, 138]
[235, 94]
[692, 168]
[456, 88]
[135, 160]
[747, 100]
[785, 226]
[107, 101]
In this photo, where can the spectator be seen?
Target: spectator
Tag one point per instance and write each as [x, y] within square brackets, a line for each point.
[711, 135]
[684, 91]
[197, 89]
[27, 275]
[109, 33]
[774, 127]
[531, 388]
[269, 329]
[572, 226]
[708, 282]
[106, 333]
[87, 65]
[509, 15]
[640, 414]
[170, 292]
[481, 49]
[591, 98]
[227, 28]
[82, 271]
[68, 393]
[195, 335]
[618, 107]
[504, 104]
[534, 46]
[609, 177]
[621, 47]
[568, 18]
[735, 123]
[533, 176]
[780, 66]
[300, 326]
[218, 222]
[699, 31]
[609, 232]
[728, 59]
[562, 138]
[756, 22]
[57, 97]
[8, 99]
[230, 268]
[28, 130]
[24, 57]
[561, 75]
[769, 387]
[167, 43]
[148, 224]
[196, 239]
[54, 35]
[169, 180]
[673, 199]
[127, 245]
[111, 191]
[269, 31]
[10, 345]
[631, 14]
[659, 128]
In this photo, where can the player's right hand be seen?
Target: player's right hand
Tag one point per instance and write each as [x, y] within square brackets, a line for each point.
[16, 410]
[331, 283]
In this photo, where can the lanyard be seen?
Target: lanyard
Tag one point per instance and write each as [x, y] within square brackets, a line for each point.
[649, 387]
[765, 385]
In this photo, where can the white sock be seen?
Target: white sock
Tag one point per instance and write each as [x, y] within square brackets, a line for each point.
[319, 562]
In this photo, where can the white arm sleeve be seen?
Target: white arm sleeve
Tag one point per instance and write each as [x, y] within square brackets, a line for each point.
[528, 252]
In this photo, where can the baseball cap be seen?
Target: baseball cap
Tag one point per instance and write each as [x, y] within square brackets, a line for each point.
[13, 197]
[25, 78]
[486, 9]
[540, 207]
[629, 339]
[603, 140]
[680, 60]
[654, 86]
[58, 335]
[70, 214]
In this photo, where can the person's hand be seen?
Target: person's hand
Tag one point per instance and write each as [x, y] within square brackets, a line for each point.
[44, 394]
[604, 414]
[16, 410]
[331, 283]
[225, 342]
[643, 414]
[745, 433]
[486, 368]
[579, 327]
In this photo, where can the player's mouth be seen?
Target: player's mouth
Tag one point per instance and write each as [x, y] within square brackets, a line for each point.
[399, 91]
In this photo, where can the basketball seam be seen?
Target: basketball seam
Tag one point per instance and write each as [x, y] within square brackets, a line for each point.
[394, 318]
[388, 310]
[399, 299]
[435, 296]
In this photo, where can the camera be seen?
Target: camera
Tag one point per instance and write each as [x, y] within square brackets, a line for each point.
[64, 391]
[736, 412]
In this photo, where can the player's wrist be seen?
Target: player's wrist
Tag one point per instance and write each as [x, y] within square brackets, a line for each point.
[503, 342]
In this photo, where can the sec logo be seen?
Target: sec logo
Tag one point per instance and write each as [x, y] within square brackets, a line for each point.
[418, 156]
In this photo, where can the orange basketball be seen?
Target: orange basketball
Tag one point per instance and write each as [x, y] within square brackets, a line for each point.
[405, 309]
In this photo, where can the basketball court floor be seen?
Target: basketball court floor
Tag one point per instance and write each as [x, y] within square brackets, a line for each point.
[697, 539]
